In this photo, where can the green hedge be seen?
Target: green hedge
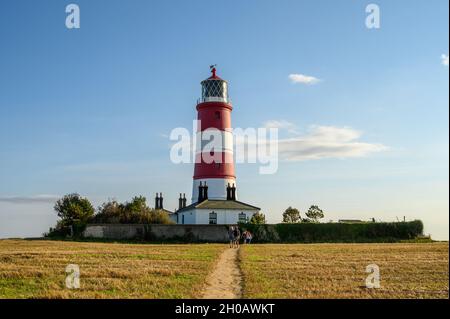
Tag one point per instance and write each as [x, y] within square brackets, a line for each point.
[335, 232]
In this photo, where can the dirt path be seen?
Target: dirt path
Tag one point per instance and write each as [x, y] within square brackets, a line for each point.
[226, 279]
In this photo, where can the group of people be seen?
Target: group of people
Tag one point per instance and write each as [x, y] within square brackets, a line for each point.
[234, 234]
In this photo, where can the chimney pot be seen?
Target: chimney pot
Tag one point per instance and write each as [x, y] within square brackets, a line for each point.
[233, 192]
[200, 192]
[157, 201]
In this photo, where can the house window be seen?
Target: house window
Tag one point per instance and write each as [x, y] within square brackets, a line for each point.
[213, 218]
[242, 217]
[217, 115]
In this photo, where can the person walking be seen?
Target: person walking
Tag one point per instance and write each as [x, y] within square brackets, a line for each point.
[245, 236]
[249, 237]
[231, 236]
[237, 236]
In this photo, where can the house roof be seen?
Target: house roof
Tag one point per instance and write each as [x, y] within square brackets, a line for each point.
[219, 204]
[165, 210]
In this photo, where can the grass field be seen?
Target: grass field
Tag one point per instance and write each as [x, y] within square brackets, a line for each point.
[36, 269]
[338, 270]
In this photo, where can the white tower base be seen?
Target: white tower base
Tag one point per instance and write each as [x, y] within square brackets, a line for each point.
[217, 188]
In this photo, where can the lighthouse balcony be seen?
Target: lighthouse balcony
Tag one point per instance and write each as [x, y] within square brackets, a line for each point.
[214, 99]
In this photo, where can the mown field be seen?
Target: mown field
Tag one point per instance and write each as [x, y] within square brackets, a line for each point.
[338, 270]
[36, 269]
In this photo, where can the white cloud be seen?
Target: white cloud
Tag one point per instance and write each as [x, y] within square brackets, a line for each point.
[303, 79]
[280, 124]
[444, 59]
[326, 142]
[29, 199]
[163, 135]
[322, 142]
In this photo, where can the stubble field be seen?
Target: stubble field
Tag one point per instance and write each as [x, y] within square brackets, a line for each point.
[36, 269]
[339, 270]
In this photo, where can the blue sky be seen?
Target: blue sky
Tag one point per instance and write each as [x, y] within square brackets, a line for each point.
[88, 110]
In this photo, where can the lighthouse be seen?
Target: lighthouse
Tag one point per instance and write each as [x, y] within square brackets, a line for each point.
[214, 171]
[214, 188]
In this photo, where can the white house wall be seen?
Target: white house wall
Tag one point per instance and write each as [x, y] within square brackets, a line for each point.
[189, 218]
[224, 216]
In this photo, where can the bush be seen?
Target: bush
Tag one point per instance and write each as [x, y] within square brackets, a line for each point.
[59, 231]
[336, 232]
[134, 212]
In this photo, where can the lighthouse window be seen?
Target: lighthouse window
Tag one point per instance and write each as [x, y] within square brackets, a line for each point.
[217, 115]
[212, 218]
[242, 217]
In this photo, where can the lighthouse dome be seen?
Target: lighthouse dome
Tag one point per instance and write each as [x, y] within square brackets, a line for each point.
[214, 89]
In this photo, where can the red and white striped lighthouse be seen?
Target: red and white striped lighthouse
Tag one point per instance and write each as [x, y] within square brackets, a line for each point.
[214, 112]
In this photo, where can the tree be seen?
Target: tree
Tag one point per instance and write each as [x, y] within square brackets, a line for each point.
[137, 205]
[314, 213]
[109, 212]
[291, 215]
[258, 218]
[74, 212]
[73, 209]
